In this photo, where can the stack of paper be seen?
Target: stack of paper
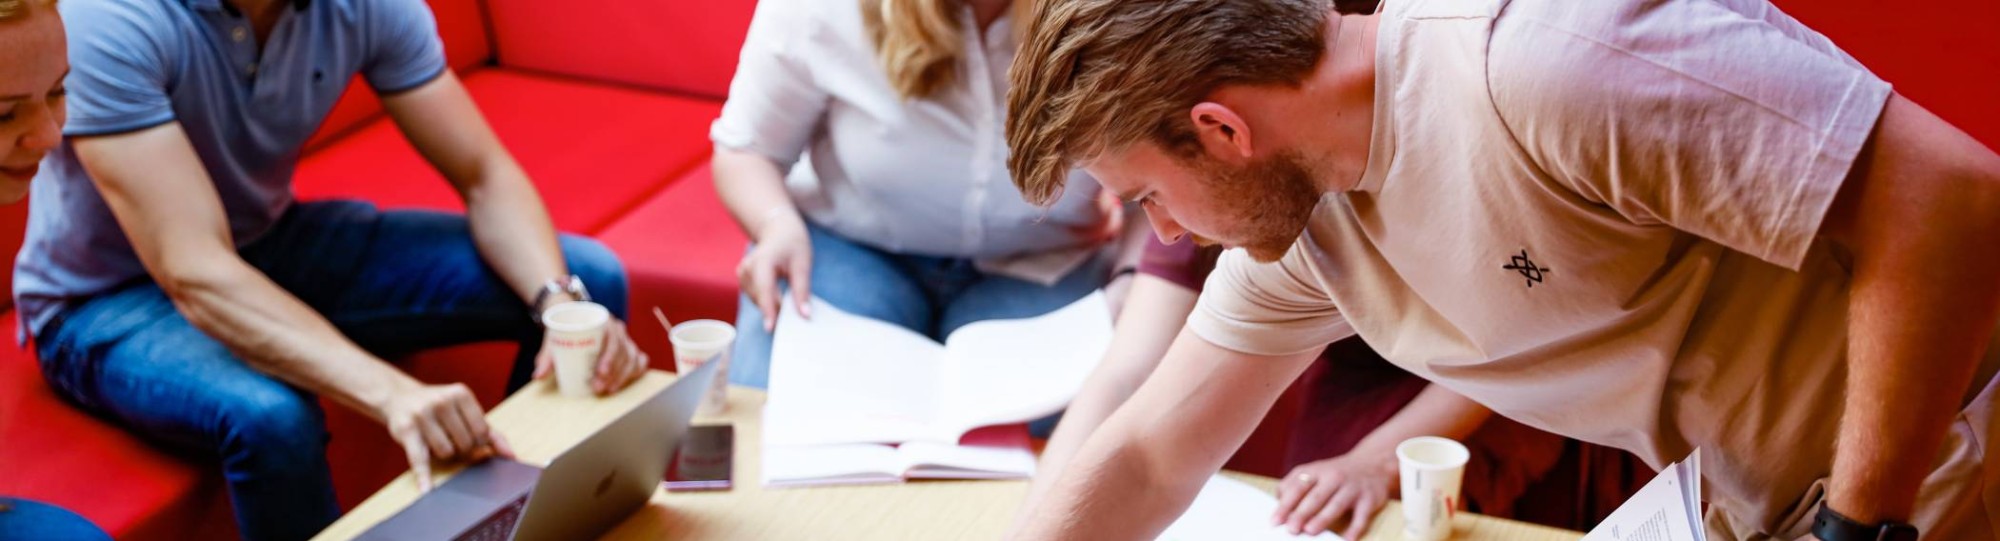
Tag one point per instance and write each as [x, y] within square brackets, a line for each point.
[1667, 509]
[855, 400]
[1230, 509]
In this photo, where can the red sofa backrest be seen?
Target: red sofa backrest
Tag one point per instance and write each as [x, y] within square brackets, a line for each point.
[13, 227]
[461, 24]
[1944, 55]
[683, 46]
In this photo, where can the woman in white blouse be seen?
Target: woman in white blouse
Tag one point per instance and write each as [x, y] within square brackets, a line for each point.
[861, 149]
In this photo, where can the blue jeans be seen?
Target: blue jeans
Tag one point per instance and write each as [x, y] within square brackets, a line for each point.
[26, 519]
[930, 295]
[393, 282]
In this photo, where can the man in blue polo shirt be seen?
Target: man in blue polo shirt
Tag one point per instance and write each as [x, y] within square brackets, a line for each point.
[172, 284]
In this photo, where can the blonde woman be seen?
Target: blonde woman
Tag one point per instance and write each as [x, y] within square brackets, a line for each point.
[861, 149]
[33, 58]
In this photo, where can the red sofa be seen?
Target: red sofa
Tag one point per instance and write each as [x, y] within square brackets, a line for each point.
[607, 105]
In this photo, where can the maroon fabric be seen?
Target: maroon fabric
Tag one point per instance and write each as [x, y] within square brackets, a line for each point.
[1515, 471]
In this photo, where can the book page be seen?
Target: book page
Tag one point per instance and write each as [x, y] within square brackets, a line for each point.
[804, 465]
[843, 378]
[1018, 370]
[1229, 509]
[1666, 509]
[996, 452]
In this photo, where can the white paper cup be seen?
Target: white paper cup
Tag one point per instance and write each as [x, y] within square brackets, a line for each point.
[705, 341]
[576, 338]
[1432, 470]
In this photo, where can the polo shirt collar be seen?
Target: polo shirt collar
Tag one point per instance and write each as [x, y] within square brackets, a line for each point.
[216, 5]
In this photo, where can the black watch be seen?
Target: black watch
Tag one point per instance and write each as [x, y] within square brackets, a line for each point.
[1831, 526]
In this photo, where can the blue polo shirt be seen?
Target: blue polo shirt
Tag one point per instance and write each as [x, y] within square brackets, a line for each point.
[136, 64]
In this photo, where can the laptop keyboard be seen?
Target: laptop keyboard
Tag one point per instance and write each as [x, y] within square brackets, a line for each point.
[499, 526]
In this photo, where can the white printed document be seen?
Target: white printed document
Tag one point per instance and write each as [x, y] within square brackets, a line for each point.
[1667, 509]
[855, 400]
[1231, 509]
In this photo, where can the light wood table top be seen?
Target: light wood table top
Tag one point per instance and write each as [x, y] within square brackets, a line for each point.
[541, 423]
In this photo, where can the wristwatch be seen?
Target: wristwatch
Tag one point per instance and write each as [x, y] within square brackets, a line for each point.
[571, 285]
[1832, 526]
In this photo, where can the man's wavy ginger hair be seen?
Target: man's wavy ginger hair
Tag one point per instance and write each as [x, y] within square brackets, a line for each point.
[1098, 75]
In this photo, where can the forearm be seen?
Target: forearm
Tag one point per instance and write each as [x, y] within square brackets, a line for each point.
[1117, 488]
[1916, 334]
[752, 188]
[1142, 467]
[278, 335]
[1108, 387]
[1154, 314]
[512, 230]
[1919, 217]
[1436, 411]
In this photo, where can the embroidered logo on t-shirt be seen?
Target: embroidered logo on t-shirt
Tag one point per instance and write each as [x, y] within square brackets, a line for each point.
[1527, 267]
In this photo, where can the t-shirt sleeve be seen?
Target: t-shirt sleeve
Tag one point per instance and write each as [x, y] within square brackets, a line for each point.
[404, 48]
[774, 103]
[1267, 309]
[1739, 128]
[120, 62]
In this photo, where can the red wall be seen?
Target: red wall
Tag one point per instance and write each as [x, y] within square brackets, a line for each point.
[1942, 54]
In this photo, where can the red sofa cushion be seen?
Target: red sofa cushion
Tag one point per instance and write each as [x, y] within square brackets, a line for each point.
[60, 455]
[686, 47]
[680, 250]
[594, 151]
[462, 27]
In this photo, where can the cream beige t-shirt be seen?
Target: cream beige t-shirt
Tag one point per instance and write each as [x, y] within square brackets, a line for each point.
[1597, 218]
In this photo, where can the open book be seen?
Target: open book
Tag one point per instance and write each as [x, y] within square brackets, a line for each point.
[1667, 509]
[853, 399]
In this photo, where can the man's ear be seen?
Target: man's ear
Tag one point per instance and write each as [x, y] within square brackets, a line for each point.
[1223, 133]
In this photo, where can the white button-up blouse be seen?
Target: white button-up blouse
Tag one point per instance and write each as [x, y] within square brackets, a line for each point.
[925, 176]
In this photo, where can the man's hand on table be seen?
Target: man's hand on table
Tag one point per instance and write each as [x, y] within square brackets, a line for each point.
[442, 422]
[620, 364]
[1354, 485]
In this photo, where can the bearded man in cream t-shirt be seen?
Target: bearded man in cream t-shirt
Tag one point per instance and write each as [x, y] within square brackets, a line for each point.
[1656, 225]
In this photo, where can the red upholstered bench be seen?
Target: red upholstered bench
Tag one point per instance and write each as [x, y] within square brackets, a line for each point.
[607, 105]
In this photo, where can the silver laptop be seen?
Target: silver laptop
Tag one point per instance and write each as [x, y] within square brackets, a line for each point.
[583, 493]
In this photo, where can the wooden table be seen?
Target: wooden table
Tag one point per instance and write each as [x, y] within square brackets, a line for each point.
[541, 424]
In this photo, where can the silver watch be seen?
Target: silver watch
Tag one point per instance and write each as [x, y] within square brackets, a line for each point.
[570, 284]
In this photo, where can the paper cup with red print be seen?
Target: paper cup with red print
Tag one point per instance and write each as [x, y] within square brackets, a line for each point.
[1433, 469]
[576, 338]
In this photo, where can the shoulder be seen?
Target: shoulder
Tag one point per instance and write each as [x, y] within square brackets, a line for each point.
[120, 24]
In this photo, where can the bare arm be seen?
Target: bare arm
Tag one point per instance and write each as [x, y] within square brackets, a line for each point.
[1144, 465]
[1920, 214]
[508, 221]
[167, 205]
[509, 224]
[753, 189]
[1152, 316]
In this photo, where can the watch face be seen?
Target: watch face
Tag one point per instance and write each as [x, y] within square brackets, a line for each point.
[1899, 532]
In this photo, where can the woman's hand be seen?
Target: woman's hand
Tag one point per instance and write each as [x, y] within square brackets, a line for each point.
[783, 251]
[1354, 485]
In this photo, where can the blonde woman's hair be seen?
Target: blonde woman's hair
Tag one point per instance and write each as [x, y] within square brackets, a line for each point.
[919, 42]
[1095, 76]
[16, 9]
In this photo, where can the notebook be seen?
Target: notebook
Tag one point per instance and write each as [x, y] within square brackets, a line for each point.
[855, 400]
